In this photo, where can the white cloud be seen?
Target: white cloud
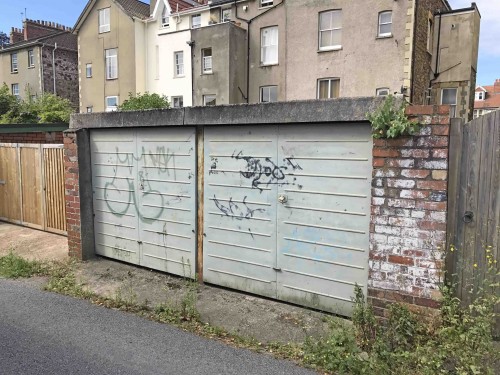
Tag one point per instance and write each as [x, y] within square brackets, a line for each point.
[490, 24]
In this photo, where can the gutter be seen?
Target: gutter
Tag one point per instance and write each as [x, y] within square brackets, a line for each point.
[54, 66]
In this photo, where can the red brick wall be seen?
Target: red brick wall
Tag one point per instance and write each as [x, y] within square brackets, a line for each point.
[72, 191]
[409, 207]
[42, 137]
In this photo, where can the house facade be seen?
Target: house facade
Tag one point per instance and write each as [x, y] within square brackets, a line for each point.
[250, 51]
[487, 99]
[41, 58]
[111, 52]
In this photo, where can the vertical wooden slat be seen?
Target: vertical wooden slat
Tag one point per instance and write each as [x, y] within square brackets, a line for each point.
[454, 168]
[20, 174]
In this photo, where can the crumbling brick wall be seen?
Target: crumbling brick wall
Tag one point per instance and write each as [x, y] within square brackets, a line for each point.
[409, 208]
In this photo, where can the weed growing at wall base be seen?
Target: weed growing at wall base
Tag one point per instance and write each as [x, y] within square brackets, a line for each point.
[457, 339]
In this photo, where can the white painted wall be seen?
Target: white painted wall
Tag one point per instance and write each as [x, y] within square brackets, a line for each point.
[160, 74]
[161, 43]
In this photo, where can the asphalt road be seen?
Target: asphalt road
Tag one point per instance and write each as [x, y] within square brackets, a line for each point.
[46, 333]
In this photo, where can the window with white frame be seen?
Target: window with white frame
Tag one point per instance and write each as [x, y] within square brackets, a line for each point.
[104, 20]
[480, 95]
[209, 99]
[225, 15]
[177, 101]
[328, 88]
[196, 21]
[266, 3]
[269, 45]
[382, 91]
[13, 62]
[268, 94]
[206, 56]
[112, 63]
[165, 19]
[385, 23]
[330, 30]
[90, 109]
[31, 58]
[179, 64]
[430, 35]
[15, 89]
[111, 103]
[88, 70]
[449, 97]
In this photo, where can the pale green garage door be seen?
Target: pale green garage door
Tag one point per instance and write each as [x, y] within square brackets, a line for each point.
[287, 211]
[144, 197]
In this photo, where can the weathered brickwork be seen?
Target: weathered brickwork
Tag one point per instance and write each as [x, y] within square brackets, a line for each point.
[72, 191]
[41, 137]
[409, 207]
[66, 66]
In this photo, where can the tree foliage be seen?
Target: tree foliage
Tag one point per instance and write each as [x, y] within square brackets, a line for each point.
[4, 39]
[47, 108]
[144, 101]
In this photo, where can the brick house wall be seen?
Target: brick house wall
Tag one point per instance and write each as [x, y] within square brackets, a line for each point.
[409, 208]
[66, 64]
[422, 69]
[41, 137]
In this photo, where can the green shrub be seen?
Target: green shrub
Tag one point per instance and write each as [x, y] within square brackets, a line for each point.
[144, 101]
[390, 121]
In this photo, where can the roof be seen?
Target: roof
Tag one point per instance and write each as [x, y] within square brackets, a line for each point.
[135, 8]
[491, 102]
[65, 37]
[179, 5]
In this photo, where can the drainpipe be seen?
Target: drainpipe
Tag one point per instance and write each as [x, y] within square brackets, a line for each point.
[412, 86]
[249, 22]
[54, 66]
[436, 73]
[42, 81]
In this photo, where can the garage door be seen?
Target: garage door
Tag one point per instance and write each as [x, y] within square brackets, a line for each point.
[144, 197]
[287, 211]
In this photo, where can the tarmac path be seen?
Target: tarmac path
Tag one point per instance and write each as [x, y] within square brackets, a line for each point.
[47, 333]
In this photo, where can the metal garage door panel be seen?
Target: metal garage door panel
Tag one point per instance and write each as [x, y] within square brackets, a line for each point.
[113, 177]
[240, 208]
[166, 179]
[324, 220]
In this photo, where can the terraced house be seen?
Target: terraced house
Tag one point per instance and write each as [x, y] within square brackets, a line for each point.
[40, 58]
[226, 51]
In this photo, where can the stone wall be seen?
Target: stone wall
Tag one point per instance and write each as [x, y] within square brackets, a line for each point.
[409, 208]
[422, 69]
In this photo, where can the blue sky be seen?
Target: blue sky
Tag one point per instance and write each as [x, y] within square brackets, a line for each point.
[67, 11]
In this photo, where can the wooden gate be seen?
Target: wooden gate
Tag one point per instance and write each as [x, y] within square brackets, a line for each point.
[474, 201]
[32, 186]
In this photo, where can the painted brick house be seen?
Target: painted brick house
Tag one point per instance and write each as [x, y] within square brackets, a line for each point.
[41, 58]
[226, 52]
[487, 99]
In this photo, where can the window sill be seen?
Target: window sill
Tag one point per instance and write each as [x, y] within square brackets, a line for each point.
[14, 72]
[89, 77]
[104, 32]
[330, 49]
[262, 65]
[111, 79]
[207, 73]
[31, 67]
[265, 7]
[179, 76]
[384, 36]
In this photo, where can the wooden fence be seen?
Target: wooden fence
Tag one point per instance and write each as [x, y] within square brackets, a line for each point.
[32, 186]
[474, 202]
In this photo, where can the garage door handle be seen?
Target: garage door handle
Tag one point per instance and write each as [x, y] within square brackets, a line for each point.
[282, 199]
[277, 269]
